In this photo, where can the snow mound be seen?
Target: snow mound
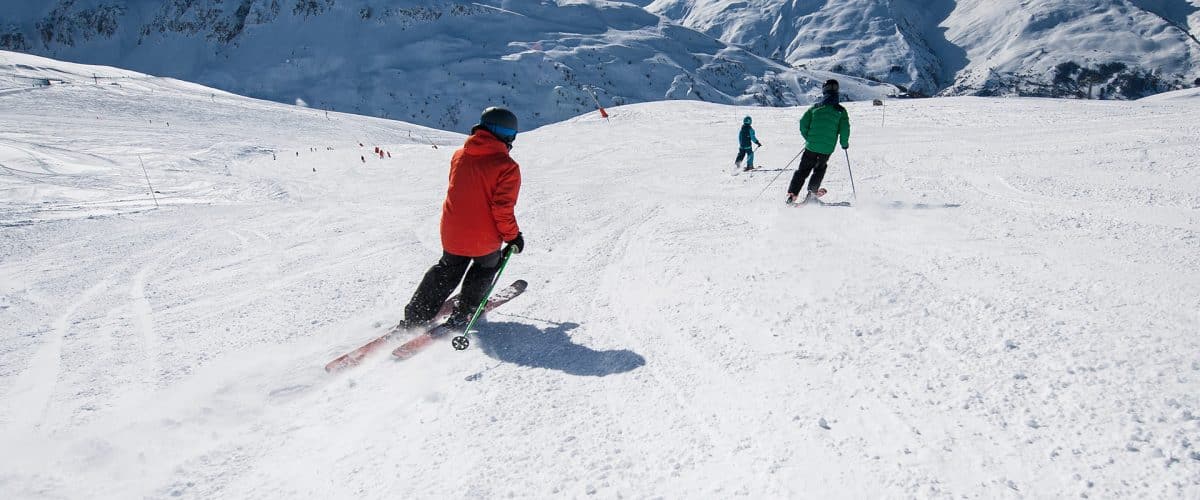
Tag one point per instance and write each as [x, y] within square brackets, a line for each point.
[101, 173]
[1177, 95]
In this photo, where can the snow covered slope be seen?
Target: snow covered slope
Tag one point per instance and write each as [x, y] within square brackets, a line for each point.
[1114, 48]
[682, 336]
[60, 177]
[431, 62]
[1175, 95]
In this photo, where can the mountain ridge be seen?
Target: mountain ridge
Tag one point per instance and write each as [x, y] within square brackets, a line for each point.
[435, 63]
[969, 47]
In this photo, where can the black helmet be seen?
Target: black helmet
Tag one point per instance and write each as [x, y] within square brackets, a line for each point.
[500, 122]
[830, 87]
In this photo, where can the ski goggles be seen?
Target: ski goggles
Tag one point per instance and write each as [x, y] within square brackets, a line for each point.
[503, 133]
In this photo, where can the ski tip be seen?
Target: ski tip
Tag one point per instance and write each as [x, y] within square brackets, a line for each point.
[520, 285]
[337, 365]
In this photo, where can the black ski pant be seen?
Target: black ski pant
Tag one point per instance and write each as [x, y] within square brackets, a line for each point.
[744, 152]
[441, 279]
[810, 163]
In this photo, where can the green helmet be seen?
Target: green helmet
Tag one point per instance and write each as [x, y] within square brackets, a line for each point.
[746, 120]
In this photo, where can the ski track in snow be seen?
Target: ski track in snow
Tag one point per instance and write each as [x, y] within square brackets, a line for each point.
[1022, 323]
[30, 395]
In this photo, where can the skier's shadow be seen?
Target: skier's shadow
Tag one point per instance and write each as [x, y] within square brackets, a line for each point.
[528, 345]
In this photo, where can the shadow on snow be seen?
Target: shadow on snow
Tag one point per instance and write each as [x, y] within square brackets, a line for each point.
[551, 348]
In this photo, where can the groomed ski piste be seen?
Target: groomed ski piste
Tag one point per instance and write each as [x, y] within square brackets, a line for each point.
[681, 337]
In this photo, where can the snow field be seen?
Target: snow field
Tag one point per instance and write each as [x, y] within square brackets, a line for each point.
[680, 337]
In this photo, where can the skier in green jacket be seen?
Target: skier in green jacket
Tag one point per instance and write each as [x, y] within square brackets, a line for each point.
[822, 125]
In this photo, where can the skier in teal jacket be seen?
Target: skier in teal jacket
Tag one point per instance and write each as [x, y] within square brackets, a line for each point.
[822, 126]
[745, 138]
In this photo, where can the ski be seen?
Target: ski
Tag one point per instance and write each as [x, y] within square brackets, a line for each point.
[353, 358]
[817, 201]
[820, 203]
[737, 170]
[410, 348]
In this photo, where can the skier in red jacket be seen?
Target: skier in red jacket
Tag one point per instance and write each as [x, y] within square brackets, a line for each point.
[477, 217]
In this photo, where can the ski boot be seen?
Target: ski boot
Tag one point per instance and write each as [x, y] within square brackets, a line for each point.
[408, 325]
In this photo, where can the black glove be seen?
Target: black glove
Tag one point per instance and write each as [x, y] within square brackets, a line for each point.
[517, 244]
[846, 146]
[759, 144]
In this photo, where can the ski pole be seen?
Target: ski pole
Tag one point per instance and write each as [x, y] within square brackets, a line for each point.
[853, 192]
[461, 342]
[781, 171]
[789, 163]
[148, 180]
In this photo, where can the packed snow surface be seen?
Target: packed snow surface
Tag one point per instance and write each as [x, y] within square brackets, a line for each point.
[1010, 309]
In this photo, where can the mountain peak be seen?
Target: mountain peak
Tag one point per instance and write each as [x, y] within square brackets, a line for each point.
[429, 62]
[968, 47]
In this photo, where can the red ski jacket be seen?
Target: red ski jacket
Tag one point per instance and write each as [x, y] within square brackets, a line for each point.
[477, 216]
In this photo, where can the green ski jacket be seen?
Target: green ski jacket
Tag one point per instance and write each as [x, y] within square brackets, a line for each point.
[821, 126]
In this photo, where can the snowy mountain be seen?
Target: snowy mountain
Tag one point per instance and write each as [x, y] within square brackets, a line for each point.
[431, 62]
[1009, 310]
[1108, 48]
